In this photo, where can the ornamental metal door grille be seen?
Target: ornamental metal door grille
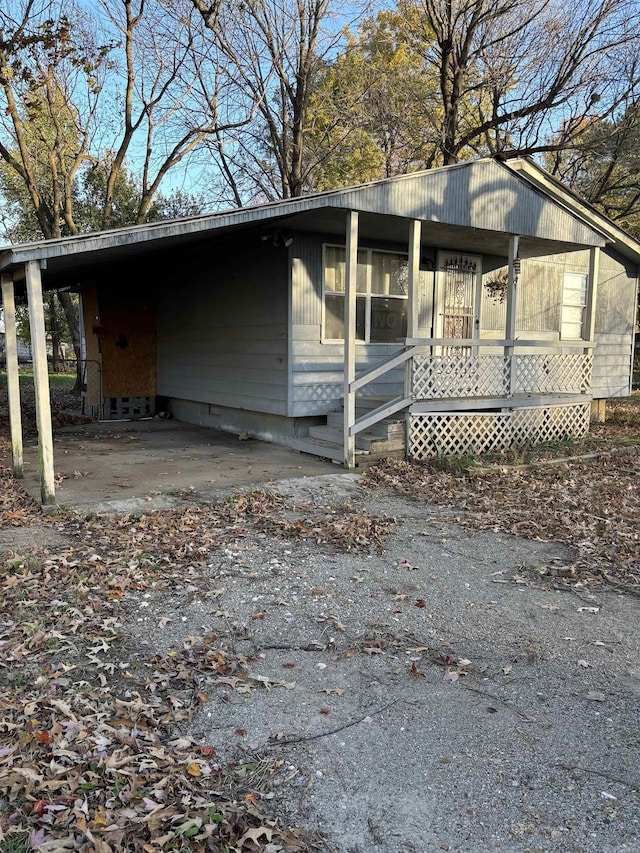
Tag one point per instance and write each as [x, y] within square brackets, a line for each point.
[476, 433]
[459, 274]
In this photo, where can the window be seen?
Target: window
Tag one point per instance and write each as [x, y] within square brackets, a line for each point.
[574, 300]
[381, 295]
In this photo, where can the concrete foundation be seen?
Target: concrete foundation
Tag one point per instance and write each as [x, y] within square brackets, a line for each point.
[262, 425]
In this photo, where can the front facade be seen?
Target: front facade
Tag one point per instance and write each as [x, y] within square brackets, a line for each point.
[480, 304]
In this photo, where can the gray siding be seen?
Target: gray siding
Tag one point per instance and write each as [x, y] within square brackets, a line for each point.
[615, 322]
[540, 303]
[483, 194]
[222, 329]
[316, 367]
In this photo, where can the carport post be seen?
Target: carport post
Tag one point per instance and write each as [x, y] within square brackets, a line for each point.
[13, 382]
[41, 382]
[512, 306]
[350, 338]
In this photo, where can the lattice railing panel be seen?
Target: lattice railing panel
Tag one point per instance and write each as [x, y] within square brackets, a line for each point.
[553, 372]
[442, 376]
[461, 375]
[476, 433]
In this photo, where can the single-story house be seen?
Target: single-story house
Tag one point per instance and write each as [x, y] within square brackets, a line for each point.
[471, 306]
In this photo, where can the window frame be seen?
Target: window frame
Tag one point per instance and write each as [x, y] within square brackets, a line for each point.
[566, 288]
[367, 295]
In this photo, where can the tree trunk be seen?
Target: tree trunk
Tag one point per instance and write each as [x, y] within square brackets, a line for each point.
[73, 321]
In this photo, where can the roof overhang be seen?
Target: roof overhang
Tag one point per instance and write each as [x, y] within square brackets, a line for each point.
[386, 207]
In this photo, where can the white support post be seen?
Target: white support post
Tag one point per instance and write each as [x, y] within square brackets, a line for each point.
[589, 326]
[415, 232]
[13, 382]
[41, 382]
[350, 338]
[512, 307]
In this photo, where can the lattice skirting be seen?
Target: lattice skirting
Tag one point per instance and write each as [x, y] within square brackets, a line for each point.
[475, 432]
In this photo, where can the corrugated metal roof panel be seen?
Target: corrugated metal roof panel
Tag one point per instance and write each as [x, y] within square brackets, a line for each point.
[483, 194]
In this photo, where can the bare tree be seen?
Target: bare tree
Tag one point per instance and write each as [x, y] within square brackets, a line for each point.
[525, 75]
[274, 49]
[110, 84]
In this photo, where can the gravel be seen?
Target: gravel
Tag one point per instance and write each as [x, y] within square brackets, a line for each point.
[431, 697]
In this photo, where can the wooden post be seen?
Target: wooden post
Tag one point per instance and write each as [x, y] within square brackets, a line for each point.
[13, 382]
[512, 307]
[415, 231]
[350, 338]
[41, 382]
[589, 326]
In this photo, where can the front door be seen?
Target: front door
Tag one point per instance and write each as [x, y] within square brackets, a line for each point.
[457, 299]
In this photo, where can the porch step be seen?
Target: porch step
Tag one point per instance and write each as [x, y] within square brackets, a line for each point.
[390, 427]
[371, 443]
[318, 447]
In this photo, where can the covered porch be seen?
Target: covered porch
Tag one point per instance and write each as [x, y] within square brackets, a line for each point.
[467, 389]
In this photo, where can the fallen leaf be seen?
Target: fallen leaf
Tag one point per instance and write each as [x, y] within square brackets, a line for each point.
[596, 696]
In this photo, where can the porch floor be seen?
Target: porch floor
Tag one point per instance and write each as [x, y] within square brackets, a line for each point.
[146, 464]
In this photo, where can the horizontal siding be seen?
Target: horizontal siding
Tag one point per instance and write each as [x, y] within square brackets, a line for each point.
[318, 377]
[222, 339]
[612, 365]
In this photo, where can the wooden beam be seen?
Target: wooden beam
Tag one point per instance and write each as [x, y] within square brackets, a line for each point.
[415, 231]
[512, 305]
[350, 337]
[589, 327]
[13, 382]
[414, 277]
[41, 382]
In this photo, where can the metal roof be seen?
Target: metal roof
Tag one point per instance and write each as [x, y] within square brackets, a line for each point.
[475, 204]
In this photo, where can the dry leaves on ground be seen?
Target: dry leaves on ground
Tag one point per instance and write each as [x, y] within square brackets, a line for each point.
[91, 756]
[591, 505]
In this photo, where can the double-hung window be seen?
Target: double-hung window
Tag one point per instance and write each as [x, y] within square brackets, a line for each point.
[574, 300]
[381, 295]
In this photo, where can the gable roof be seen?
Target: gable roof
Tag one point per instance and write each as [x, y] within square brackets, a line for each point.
[484, 197]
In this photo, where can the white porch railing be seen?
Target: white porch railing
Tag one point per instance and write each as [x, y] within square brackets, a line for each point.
[465, 375]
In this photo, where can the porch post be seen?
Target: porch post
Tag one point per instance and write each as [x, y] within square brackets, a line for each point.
[350, 337]
[512, 307]
[414, 273]
[415, 230]
[13, 383]
[598, 407]
[589, 327]
[41, 382]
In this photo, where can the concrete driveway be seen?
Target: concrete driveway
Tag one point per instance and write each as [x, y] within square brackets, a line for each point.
[135, 464]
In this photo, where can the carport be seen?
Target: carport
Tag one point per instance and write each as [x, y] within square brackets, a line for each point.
[149, 464]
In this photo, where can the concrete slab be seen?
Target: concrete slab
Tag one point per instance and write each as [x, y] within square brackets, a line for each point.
[151, 464]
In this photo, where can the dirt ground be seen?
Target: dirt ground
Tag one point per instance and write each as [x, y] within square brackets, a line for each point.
[362, 669]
